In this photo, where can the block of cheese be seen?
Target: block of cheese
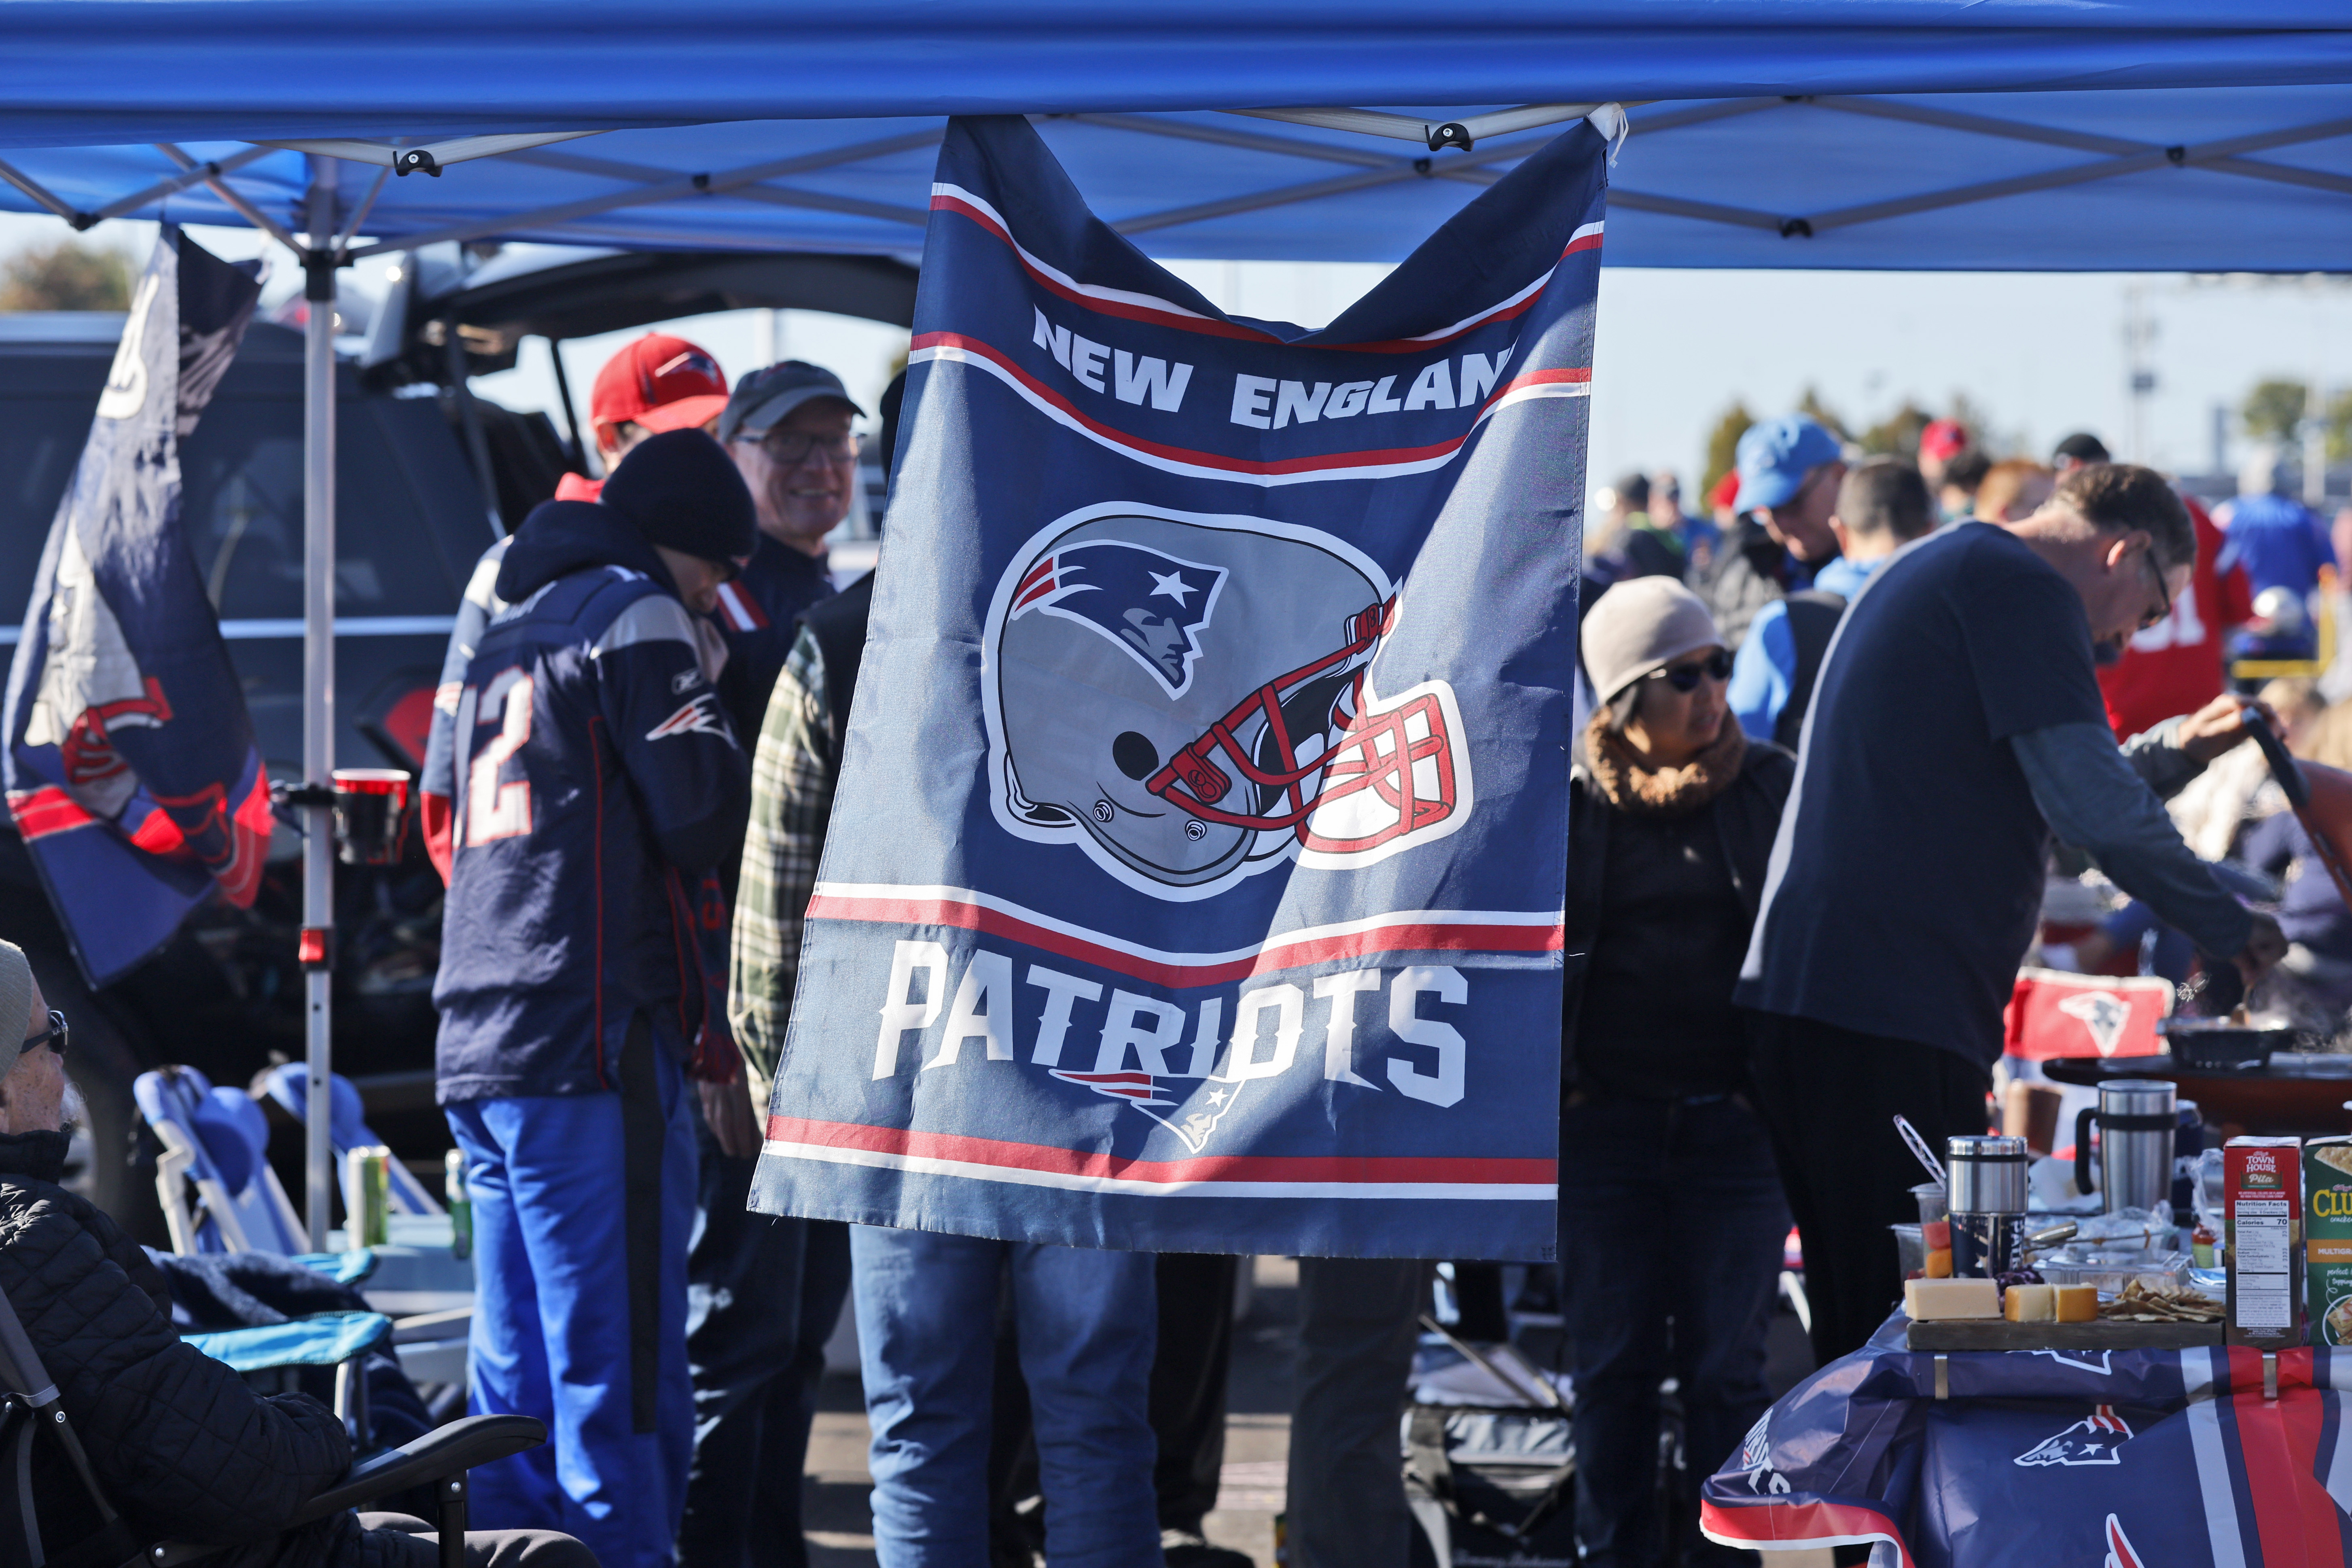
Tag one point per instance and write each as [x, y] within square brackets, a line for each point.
[1933, 1301]
[2078, 1303]
[2028, 1304]
[1940, 1263]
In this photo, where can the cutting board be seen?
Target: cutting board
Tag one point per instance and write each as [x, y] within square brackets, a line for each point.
[2000, 1334]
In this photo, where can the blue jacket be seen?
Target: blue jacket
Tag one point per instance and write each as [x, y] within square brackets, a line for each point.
[1765, 670]
[2279, 540]
[758, 613]
[595, 764]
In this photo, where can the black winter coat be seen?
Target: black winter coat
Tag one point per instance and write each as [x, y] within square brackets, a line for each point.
[183, 1448]
[1746, 818]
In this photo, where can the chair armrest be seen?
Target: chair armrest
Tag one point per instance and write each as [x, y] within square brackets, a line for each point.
[328, 1340]
[445, 1451]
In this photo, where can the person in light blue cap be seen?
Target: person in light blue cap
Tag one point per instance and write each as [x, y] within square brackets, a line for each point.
[1789, 469]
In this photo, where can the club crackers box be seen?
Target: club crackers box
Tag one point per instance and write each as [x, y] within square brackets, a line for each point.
[2328, 1237]
[2262, 1198]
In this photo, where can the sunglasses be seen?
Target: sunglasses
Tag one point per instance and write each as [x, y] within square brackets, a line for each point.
[54, 1038]
[1716, 666]
[2163, 592]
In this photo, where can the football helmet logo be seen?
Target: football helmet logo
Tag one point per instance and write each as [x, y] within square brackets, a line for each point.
[1190, 699]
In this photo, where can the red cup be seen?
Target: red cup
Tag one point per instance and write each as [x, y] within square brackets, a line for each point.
[370, 816]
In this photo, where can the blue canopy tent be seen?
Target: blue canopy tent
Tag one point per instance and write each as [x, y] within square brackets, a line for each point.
[1969, 134]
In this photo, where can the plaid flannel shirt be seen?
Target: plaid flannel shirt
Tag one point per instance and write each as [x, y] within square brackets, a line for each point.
[792, 796]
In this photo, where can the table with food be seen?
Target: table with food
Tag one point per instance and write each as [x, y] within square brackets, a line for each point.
[2126, 1368]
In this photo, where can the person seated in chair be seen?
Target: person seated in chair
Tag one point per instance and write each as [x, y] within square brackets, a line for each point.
[183, 1448]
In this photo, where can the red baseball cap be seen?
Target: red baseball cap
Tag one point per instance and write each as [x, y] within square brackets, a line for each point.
[1726, 491]
[1943, 439]
[661, 383]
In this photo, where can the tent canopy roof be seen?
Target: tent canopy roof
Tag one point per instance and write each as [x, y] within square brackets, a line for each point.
[1995, 134]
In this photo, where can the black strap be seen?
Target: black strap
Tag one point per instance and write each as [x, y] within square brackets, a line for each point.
[1813, 617]
[642, 1132]
[838, 625]
[19, 1427]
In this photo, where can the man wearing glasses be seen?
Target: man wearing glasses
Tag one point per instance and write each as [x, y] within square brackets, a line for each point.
[1957, 728]
[788, 429]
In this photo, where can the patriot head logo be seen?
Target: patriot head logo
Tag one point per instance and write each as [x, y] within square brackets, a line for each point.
[2096, 1439]
[2103, 1012]
[1192, 1120]
[1190, 699]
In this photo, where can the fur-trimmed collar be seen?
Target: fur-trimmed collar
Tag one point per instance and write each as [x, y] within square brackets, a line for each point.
[1633, 786]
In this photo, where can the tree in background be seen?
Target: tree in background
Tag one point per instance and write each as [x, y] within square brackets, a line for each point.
[2273, 411]
[67, 276]
[1898, 435]
[1722, 449]
[1811, 404]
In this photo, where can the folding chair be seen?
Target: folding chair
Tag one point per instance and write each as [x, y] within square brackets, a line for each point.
[347, 1129]
[32, 1412]
[217, 1140]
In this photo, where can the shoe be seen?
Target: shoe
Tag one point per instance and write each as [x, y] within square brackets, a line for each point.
[1188, 1549]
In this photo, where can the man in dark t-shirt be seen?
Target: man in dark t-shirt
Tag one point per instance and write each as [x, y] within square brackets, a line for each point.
[1956, 727]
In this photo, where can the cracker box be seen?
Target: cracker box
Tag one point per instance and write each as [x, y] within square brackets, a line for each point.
[2328, 1237]
[2263, 1202]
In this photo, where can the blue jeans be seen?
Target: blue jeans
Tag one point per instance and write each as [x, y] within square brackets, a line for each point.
[761, 1297]
[1087, 1323]
[550, 1334]
[1670, 1230]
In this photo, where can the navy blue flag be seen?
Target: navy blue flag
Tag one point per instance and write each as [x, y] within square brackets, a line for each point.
[2056, 1458]
[1201, 837]
[130, 766]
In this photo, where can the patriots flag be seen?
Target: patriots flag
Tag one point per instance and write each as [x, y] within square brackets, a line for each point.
[2124, 1458]
[131, 767]
[1195, 873]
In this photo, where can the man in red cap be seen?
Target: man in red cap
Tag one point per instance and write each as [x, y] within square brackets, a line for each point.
[657, 383]
[1939, 443]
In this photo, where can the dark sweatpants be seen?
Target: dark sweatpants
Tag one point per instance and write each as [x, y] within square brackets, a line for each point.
[1830, 1097]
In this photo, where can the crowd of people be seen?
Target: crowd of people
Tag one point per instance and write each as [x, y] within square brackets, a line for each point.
[1826, 735]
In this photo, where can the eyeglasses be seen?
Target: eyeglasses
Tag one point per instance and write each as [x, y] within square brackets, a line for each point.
[790, 448]
[1717, 666]
[54, 1038]
[2163, 591]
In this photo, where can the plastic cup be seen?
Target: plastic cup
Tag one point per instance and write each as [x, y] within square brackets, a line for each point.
[1933, 1204]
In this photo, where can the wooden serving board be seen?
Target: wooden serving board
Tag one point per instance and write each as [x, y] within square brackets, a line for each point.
[2000, 1334]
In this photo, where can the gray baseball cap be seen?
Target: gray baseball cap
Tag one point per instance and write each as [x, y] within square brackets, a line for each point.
[764, 396]
[15, 1003]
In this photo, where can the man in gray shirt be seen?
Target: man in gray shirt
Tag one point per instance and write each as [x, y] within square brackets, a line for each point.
[1956, 727]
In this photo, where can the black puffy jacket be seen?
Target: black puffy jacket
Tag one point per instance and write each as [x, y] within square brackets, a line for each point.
[183, 1448]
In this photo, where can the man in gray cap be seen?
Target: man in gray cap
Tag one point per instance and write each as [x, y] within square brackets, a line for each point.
[788, 429]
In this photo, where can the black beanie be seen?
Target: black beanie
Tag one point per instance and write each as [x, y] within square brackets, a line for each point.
[680, 489]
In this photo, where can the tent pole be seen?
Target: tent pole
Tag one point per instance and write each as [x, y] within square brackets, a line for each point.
[319, 689]
[570, 409]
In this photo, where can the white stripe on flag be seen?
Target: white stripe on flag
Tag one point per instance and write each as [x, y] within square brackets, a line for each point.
[2197, 1370]
[928, 1165]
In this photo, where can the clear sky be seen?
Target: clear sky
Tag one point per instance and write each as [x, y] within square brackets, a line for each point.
[2041, 354]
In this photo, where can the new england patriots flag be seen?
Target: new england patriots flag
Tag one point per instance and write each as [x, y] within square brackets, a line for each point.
[2054, 1458]
[130, 766]
[1195, 874]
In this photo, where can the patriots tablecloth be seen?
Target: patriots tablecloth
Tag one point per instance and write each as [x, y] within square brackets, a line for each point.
[2051, 1460]
[1194, 879]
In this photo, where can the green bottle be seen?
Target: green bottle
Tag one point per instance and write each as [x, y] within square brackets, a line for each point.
[461, 1207]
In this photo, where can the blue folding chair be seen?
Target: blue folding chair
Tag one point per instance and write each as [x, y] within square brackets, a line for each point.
[217, 1141]
[347, 1129]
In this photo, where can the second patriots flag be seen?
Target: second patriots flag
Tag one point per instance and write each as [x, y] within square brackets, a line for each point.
[1201, 836]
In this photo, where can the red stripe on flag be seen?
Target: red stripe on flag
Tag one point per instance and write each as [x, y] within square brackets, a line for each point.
[1210, 326]
[1269, 1168]
[47, 810]
[963, 916]
[2279, 1437]
[1795, 1523]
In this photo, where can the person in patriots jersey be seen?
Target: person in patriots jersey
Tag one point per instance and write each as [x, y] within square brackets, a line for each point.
[597, 777]
[657, 384]
[787, 427]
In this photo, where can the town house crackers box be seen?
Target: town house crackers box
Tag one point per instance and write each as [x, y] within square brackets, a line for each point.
[2263, 1203]
[2328, 1237]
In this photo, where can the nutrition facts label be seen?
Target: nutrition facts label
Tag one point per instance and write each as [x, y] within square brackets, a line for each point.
[2260, 1234]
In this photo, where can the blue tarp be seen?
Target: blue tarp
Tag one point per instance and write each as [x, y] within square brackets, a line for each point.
[2139, 134]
